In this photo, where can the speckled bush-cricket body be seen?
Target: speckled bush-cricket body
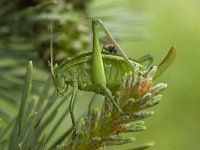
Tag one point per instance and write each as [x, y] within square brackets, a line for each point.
[102, 73]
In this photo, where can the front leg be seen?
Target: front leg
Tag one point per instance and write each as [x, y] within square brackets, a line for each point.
[71, 106]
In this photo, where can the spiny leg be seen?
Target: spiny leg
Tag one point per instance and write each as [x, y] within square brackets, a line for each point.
[97, 62]
[71, 106]
[98, 72]
[112, 40]
[109, 94]
[145, 58]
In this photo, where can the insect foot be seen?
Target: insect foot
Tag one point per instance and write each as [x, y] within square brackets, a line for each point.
[74, 133]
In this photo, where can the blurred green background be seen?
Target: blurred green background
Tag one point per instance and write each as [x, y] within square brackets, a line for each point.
[175, 125]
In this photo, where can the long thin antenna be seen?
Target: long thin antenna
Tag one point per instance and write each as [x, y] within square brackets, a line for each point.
[51, 45]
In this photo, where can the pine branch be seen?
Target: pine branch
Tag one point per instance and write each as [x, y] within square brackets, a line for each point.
[135, 95]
